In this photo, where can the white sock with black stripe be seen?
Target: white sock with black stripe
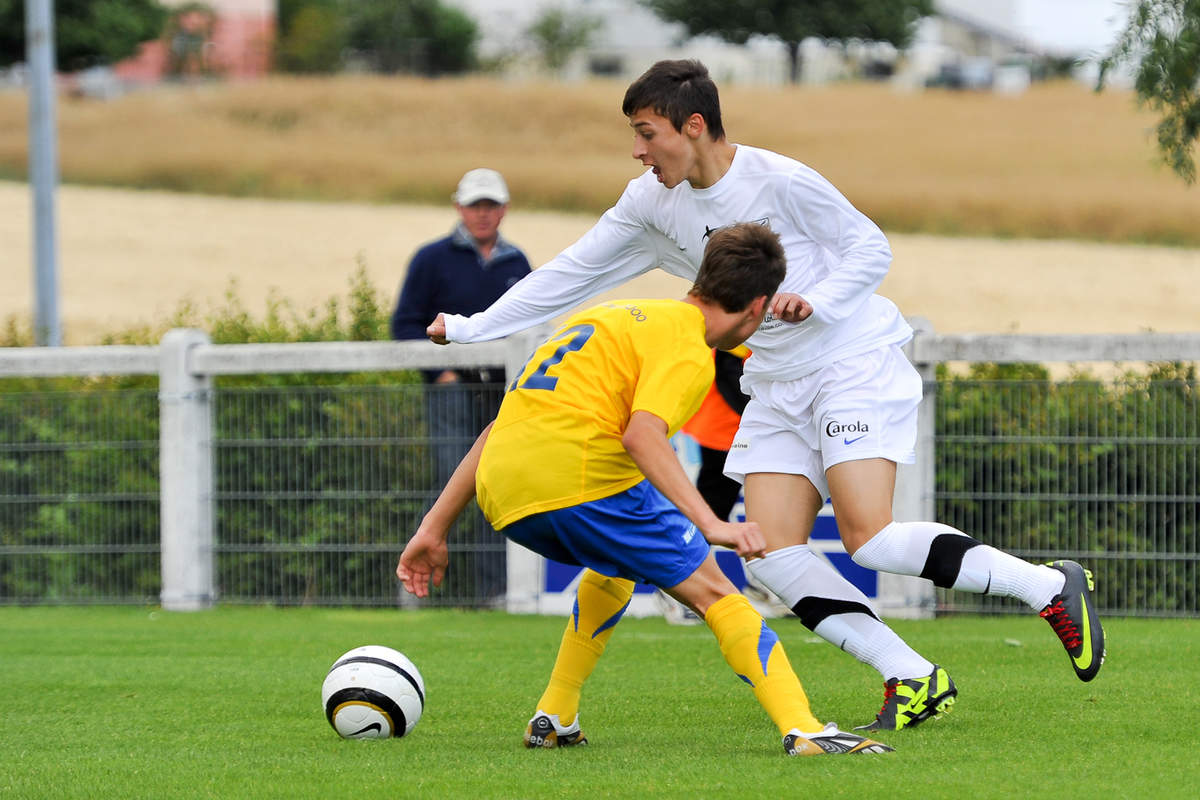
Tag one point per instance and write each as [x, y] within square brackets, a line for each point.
[953, 560]
[834, 609]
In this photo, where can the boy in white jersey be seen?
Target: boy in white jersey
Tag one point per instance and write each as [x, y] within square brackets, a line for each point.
[833, 398]
[577, 466]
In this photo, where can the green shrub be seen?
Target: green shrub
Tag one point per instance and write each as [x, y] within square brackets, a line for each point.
[79, 463]
[1098, 471]
[313, 42]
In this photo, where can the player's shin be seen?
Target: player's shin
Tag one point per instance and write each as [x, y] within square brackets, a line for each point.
[599, 604]
[755, 654]
[836, 610]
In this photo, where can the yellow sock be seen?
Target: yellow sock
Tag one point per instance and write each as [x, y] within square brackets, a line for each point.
[754, 652]
[599, 604]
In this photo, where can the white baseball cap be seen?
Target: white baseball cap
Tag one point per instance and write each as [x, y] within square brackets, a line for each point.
[481, 184]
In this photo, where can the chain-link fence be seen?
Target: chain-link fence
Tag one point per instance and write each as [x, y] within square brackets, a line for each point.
[316, 489]
[79, 519]
[1105, 473]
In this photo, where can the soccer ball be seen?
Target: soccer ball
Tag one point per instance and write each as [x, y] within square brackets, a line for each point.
[373, 692]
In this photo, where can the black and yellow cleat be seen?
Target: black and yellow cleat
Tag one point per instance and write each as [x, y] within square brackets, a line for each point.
[545, 731]
[907, 702]
[829, 741]
[1072, 614]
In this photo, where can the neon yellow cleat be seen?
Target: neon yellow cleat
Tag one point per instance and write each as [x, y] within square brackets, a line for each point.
[908, 702]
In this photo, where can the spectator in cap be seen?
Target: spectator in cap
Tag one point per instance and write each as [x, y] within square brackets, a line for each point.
[463, 273]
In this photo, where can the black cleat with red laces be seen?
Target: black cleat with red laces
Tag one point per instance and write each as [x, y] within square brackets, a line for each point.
[1072, 614]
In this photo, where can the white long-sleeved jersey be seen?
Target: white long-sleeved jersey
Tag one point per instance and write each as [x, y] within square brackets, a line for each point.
[836, 259]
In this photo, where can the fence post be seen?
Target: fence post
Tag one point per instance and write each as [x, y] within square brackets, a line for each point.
[524, 568]
[901, 595]
[185, 475]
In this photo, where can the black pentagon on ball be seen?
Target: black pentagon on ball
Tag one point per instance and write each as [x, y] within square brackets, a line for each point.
[357, 694]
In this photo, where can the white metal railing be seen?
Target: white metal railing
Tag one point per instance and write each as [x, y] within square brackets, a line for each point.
[928, 347]
[203, 357]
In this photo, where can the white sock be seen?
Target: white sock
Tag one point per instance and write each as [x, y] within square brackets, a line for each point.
[834, 609]
[958, 562]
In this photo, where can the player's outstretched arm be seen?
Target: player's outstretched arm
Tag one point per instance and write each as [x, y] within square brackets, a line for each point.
[425, 556]
[645, 440]
[616, 249]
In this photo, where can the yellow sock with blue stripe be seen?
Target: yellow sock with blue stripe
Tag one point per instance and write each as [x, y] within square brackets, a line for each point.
[755, 654]
[599, 604]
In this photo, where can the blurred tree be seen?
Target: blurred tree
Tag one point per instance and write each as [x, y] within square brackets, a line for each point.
[558, 34]
[87, 33]
[311, 37]
[419, 36]
[1162, 40]
[287, 10]
[793, 21]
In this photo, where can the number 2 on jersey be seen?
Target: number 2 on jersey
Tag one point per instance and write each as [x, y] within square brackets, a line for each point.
[538, 379]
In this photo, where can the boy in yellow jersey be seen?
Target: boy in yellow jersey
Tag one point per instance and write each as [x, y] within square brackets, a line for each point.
[578, 467]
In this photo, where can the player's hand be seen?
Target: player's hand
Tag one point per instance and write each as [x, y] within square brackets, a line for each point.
[424, 558]
[790, 307]
[437, 330]
[743, 537]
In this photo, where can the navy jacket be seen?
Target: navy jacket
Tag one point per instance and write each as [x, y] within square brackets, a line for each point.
[448, 275]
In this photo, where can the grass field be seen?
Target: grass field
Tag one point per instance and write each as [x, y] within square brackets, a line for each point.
[133, 703]
[1058, 161]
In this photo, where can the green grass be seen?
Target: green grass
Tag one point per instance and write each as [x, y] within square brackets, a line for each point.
[135, 702]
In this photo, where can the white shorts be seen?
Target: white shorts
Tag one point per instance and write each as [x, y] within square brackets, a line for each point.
[862, 407]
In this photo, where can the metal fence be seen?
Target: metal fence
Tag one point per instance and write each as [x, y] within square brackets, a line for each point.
[318, 488]
[314, 488]
[79, 500]
[1103, 472]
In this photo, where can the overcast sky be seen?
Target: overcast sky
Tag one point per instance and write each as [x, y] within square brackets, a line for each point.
[1080, 25]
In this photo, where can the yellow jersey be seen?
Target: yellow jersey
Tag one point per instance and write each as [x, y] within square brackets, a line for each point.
[557, 439]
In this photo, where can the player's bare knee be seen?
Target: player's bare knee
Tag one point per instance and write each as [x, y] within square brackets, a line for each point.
[854, 537]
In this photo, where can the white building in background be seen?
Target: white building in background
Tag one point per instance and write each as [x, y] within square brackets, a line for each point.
[982, 43]
[970, 44]
[630, 38]
[978, 43]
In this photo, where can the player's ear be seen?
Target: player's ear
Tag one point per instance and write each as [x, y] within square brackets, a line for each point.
[694, 126]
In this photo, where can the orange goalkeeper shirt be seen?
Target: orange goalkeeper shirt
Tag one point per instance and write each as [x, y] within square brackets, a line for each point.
[714, 425]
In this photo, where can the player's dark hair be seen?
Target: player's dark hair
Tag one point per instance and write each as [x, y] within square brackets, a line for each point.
[676, 90]
[741, 263]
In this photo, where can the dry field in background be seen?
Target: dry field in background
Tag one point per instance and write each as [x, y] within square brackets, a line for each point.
[129, 258]
[1056, 162]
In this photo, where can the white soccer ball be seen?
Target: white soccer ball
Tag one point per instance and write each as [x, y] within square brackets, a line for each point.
[373, 692]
